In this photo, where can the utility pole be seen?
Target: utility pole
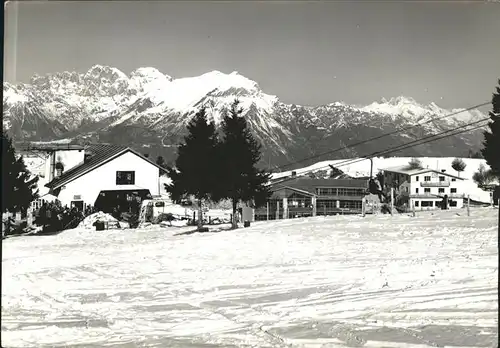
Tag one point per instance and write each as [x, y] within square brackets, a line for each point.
[468, 205]
[392, 199]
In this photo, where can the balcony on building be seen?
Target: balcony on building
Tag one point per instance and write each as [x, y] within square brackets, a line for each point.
[442, 183]
[437, 195]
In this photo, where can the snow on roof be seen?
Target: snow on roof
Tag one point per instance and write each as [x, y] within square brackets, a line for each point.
[414, 171]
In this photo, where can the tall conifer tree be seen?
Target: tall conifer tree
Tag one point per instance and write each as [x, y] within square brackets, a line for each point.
[239, 155]
[194, 173]
[19, 187]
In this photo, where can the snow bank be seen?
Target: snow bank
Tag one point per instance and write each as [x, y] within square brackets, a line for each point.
[174, 223]
[88, 222]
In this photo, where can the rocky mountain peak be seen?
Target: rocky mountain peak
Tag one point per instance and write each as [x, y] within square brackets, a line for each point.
[149, 107]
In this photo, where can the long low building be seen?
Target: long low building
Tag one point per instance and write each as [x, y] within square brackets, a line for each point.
[300, 197]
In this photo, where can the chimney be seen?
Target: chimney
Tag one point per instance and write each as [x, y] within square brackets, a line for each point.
[87, 155]
[443, 170]
[59, 168]
[146, 155]
[49, 165]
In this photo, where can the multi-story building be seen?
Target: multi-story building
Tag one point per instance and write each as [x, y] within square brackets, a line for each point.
[298, 197]
[424, 188]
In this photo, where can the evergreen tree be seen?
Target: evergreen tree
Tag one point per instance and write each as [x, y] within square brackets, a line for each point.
[19, 189]
[242, 181]
[492, 137]
[194, 172]
[483, 176]
[415, 163]
[459, 165]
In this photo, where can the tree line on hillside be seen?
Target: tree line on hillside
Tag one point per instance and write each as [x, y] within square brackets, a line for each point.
[213, 167]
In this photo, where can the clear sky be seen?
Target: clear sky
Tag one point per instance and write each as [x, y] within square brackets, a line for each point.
[308, 53]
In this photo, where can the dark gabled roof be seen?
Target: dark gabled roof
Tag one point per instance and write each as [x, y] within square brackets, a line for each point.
[100, 154]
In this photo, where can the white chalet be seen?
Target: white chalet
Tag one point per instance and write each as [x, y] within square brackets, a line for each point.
[426, 187]
[109, 177]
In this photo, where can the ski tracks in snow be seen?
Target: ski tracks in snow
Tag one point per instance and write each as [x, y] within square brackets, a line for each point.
[399, 281]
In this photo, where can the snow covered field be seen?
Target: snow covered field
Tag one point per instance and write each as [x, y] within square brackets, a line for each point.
[378, 281]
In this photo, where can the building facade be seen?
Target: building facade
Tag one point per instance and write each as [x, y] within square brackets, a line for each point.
[301, 197]
[424, 188]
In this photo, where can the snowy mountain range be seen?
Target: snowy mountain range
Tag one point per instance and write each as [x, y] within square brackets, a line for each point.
[150, 109]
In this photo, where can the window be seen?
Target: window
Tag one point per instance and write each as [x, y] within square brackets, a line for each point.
[416, 190]
[350, 192]
[350, 204]
[427, 178]
[333, 191]
[453, 190]
[441, 190]
[441, 178]
[427, 190]
[416, 178]
[325, 204]
[453, 203]
[417, 203]
[326, 191]
[427, 203]
[77, 204]
[125, 178]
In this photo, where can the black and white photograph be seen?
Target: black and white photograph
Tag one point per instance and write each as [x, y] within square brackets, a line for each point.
[247, 173]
